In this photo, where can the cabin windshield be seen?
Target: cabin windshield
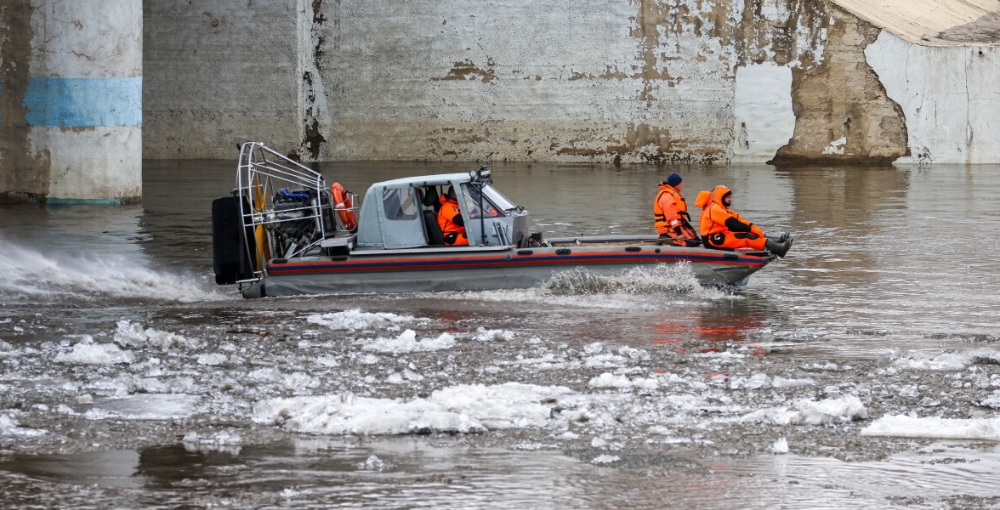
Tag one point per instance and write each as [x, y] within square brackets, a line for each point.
[494, 203]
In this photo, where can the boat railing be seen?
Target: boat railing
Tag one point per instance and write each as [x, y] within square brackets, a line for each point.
[286, 207]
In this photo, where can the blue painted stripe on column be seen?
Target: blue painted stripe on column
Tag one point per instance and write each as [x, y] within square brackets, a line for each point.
[84, 102]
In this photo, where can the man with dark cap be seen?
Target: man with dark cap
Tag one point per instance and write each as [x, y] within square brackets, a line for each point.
[670, 216]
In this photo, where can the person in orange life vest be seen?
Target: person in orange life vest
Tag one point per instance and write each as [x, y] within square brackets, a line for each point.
[450, 220]
[670, 216]
[723, 228]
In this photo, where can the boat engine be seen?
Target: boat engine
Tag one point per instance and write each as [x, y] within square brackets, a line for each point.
[294, 219]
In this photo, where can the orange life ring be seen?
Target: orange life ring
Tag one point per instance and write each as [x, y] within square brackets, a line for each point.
[344, 207]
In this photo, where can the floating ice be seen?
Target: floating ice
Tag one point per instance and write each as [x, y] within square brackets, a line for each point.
[608, 380]
[992, 401]
[780, 446]
[212, 359]
[88, 353]
[464, 408]
[781, 382]
[407, 342]
[373, 463]
[327, 361]
[355, 320]
[808, 412]
[9, 426]
[130, 334]
[605, 459]
[144, 407]
[485, 335]
[221, 441]
[754, 382]
[939, 428]
[945, 361]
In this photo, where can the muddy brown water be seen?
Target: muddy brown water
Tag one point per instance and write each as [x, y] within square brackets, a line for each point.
[887, 263]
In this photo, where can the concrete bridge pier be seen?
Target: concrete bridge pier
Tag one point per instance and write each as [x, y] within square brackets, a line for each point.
[71, 101]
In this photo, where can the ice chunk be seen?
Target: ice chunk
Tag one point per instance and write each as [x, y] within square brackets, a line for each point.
[355, 320]
[807, 412]
[407, 342]
[463, 408]
[88, 353]
[942, 428]
[212, 359]
[605, 459]
[780, 446]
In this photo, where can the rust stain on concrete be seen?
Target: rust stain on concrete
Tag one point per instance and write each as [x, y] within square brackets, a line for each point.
[468, 70]
[842, 98]
[23, 175]
[651, 144]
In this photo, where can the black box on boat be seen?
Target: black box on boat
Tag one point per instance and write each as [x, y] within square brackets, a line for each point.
[230, 260]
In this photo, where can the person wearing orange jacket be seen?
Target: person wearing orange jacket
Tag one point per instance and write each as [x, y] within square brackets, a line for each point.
[450, 220]
[670, 215]
[723, 228]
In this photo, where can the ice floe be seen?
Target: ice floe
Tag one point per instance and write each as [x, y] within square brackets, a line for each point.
[608, 380]
[808, 412]
[947, 361]
[129, 334]
[934, 428]
[87, 352]
[462, 408]
[9, 426]
[144, 407]
[407, 342]
[355, 319]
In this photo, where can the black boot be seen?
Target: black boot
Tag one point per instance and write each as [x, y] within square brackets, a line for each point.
[778, 248]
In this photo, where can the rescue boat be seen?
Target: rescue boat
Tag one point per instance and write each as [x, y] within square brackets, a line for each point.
[283, 231]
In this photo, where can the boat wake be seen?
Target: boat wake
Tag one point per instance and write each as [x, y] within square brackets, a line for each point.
[30, 276]
[674, 279]
[629, 289]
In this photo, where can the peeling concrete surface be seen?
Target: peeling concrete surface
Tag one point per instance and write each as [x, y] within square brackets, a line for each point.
[70, 106]
[843, 115]
[958, 123]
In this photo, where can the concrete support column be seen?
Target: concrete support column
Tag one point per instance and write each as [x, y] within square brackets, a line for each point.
[71, 101]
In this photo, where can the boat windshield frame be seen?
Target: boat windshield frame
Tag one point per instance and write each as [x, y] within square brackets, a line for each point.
[497, 198]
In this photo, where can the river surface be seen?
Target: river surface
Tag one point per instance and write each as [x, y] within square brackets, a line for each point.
[861, 371]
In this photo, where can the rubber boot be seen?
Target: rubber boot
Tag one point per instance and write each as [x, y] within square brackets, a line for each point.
[778, 248]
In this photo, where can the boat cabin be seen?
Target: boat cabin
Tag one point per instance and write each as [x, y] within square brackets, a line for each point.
[402, 213]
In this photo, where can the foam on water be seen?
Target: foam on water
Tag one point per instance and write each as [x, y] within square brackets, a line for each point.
[628, 289]
[31, 276]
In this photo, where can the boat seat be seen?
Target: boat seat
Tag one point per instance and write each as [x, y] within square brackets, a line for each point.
[431, 198]
[434, 235]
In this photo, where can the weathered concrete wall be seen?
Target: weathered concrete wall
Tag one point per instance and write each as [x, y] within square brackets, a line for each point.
[948, 95]
[219, 73]
[70, 103]
[843, 115]
[702, 81]
[609, 80]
